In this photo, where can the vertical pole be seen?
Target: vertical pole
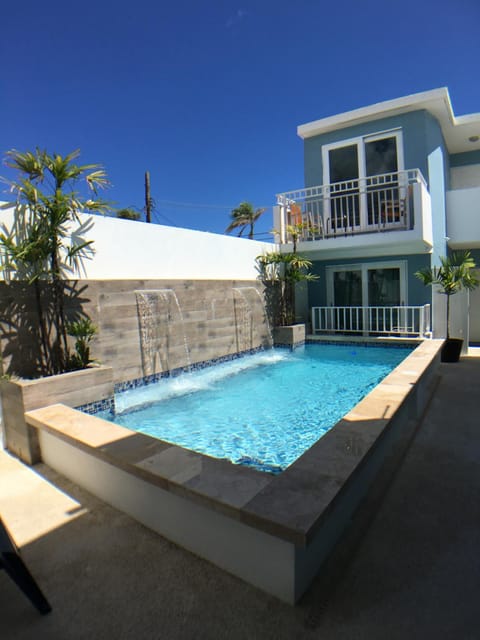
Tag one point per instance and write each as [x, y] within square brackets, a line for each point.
[148, 200]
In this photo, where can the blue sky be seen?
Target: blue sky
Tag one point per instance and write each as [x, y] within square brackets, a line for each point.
[207, 95]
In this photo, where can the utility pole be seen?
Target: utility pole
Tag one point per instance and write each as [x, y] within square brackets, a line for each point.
[148, 200]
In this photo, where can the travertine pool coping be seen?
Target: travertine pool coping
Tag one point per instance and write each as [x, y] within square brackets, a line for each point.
[290, 506]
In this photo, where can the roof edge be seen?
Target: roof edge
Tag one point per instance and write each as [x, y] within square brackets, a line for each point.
[363, 114]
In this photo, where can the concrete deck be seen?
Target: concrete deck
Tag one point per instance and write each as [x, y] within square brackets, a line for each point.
[415, 573]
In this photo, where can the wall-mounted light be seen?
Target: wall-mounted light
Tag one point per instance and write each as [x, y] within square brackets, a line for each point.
[474, 138]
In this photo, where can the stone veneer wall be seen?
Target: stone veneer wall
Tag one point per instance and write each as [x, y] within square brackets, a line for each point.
[217, 318]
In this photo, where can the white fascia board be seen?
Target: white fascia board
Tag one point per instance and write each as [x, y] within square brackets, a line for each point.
[471, 118]
[439, 97]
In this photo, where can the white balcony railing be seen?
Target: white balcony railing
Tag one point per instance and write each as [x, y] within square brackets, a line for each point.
[364, 205]
[394, 321]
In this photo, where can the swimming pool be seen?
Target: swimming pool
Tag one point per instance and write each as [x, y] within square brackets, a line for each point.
[274, 531]
[264, 410]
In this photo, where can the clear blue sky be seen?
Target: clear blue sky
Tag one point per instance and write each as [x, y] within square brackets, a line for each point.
[207, 95]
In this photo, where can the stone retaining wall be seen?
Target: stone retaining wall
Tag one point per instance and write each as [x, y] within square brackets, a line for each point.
[197, 321]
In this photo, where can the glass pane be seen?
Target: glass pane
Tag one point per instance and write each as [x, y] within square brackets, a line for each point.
[344, 204]
[347, 288]
[383, 204]
[384, 287]
[343, 163]
[381, 156]
[348, 293]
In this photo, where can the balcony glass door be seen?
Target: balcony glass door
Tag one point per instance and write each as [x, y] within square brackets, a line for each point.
[381, 166]
[345, 199]
[364, 189]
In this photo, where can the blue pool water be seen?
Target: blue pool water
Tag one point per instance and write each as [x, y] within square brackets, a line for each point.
[262, 410]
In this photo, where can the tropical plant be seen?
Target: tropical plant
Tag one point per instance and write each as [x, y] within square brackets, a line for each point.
[128, 214]
[297, 231]
[280, 272]
[244, 216]
[453, 275]
[46, 240]
[84, 331]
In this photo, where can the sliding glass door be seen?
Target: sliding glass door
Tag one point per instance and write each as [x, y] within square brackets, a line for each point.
[366, 297]
[364, 184]
[374, 284]
[344, 205]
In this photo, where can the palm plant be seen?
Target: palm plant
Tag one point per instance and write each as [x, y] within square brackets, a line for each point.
[83, 331]
[283, 271]
[244, 216]
[453, 275]
[48, 205]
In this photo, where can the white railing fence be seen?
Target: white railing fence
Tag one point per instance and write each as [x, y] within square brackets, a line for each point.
[408, 321]
[362, 205]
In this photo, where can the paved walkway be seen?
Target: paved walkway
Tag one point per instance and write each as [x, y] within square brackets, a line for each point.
[415, 574]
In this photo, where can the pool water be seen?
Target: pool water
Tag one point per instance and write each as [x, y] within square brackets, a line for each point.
[262, 410]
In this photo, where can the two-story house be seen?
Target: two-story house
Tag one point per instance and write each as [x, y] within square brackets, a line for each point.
[388, 189]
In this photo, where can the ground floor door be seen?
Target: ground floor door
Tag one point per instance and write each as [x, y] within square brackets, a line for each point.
[359, 286]
[373, 284]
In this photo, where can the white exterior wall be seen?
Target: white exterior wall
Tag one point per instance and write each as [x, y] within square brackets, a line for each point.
[465, 177]
[463, 218]
[126, 249]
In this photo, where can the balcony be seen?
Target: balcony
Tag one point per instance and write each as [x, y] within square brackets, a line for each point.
[375, 215]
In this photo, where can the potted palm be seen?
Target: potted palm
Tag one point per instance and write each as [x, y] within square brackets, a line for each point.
[454, 274]
[281, 273]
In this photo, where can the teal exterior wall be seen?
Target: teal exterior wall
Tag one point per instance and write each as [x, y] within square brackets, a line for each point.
[423, 148]
[417, 293]
[419, 129]
[464, 159]
[476, 256]
[475, 253]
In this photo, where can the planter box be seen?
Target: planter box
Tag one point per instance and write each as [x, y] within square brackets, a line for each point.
[290, 336]
[73, 389]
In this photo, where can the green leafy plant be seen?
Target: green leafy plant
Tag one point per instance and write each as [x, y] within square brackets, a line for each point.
[128, 214]
[453, 275]
[281, 272]
[46, 241]
[84, 331]
[244, 216]
[297, 231]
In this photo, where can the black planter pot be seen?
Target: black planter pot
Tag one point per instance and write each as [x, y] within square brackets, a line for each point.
[451, 350]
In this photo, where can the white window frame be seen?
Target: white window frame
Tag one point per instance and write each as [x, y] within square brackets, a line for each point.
[364, 267]
[360, 142]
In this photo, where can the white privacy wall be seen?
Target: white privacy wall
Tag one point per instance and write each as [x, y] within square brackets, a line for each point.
[126, 249]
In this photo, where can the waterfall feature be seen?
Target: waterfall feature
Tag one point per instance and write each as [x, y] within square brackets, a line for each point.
[249, 312]
[163, 339]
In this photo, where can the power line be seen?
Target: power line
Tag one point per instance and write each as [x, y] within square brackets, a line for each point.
[202, 205]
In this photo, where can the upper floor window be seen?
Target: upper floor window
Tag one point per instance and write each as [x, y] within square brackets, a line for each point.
[362, 157]
[367, 189]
